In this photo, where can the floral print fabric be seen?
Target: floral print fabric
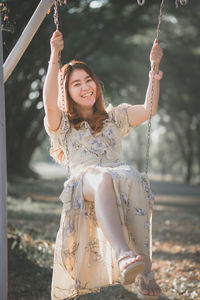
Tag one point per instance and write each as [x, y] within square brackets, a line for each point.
[84, 260]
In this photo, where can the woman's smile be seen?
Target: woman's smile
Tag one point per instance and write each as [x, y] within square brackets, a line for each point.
[82, 88]
[87, 95]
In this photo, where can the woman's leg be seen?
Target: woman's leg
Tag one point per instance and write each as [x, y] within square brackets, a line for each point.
[98, 187]
[147, 288]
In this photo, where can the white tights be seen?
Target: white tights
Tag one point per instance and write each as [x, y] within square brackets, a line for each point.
[98, 187]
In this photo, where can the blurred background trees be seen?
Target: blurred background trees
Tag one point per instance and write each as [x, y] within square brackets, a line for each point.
[115, 38]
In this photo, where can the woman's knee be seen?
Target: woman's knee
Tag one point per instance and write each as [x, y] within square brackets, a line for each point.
[95, 180]
[88, 190]
[105, 181]
[90, 181]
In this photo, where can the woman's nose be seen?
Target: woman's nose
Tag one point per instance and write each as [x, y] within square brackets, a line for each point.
[85, 86]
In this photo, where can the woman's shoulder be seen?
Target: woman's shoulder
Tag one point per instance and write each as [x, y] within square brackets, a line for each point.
[118, 115]
[120, 108]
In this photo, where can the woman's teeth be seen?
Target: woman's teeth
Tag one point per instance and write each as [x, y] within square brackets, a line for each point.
[87, 95]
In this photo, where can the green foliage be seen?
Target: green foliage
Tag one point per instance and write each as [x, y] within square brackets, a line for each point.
[115, 40]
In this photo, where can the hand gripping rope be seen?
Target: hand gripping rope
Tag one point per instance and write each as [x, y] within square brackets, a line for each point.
[152, 92]
[63, 105]
[182, 2]
[56, 21]
[149, 218]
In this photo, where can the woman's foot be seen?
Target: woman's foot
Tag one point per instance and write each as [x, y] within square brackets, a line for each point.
[145, 282]
[147, 286]
[130, 265]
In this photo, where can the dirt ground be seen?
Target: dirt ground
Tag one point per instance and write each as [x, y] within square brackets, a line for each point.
[33, 220]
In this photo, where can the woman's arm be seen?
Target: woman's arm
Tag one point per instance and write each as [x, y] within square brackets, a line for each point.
[138, 114]
[50, 89]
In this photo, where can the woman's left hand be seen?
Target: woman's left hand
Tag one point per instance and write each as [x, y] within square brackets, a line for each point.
[156, 53]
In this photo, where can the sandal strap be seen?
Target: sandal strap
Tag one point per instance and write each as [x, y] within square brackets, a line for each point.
[147, 277]
[125, 255]
[129, 254]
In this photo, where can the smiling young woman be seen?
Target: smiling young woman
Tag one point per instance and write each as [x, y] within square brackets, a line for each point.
[80, 80]
[104, 235]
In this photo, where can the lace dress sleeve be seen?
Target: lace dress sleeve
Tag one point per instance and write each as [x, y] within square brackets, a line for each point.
[58, 137]
[120, 118]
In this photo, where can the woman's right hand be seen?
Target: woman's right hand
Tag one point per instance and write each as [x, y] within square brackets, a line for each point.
[56, 42]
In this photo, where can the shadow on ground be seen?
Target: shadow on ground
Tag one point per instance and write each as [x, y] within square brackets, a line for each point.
[26, 277]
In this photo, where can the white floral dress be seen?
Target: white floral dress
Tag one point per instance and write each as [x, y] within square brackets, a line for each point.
[84, 261]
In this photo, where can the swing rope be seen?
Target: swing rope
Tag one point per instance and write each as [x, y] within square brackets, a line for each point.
[152, 92]
[142, 2]
[57, 24]
[63, 105]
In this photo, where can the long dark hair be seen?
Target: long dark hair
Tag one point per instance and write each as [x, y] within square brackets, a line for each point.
[99, 115]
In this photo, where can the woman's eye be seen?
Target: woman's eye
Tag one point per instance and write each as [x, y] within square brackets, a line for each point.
[77, 84]
[89, 80]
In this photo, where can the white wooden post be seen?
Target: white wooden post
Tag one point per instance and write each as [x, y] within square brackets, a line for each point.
[9, 66]
[3, 177]
[26, 37]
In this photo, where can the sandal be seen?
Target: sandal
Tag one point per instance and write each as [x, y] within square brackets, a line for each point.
[131, 269]
[147, 278]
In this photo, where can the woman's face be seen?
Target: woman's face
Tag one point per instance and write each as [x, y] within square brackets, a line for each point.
[82, 88]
